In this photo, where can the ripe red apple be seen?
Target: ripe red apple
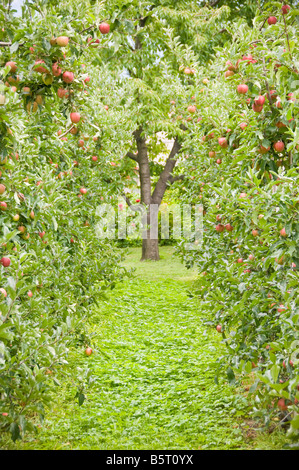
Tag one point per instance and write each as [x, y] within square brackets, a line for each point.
[5, 262]
[56, 70]
[250, 257]
[3, 206]
[219, 228]
[279, 146]
[229, 73]
[12, 65]
[75, 117]
[94, 158]
[255, 233]
[104, 28]
[86, 79]
[212, 154]
[61, 92]
[272, 20]
[256, 108]
[218, 161]
[223, 142]
[29, 293]
[218, 217]
[243, 125]
[83, 190]
[242, 89]
[88, 351]
[38, 67]
[74, 130]
[285, 9]
[2, 188]
[219, 328]
[283, 232]
[72, 240]
[260, 100]
[240, 260]
[68, 77]
[62, 41]
[42, 234]
[282, 404]
[281, 308]
[228, 227]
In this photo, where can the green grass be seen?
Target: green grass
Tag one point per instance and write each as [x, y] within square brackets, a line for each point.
[154, 387]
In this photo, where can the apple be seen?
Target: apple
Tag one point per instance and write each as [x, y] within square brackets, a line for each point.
[260, 100]
[281, 308]
[212, 154]
[104, 28]
[83, 190]
[285, 9]
[62, 41]
[240, 260]
[39, 99]
[243, 125]
[272, 20]
[250, 257]
[81, 143]
[263, 149]
[242, 89]
[22, 229]
[223, 142]
[218, 161]
[243, 195]
[191, 109]
[219, 228]
[282, 404]
[219, 328]
[279, 146]
[2, 188]
[88, 351]
[256, 108]
[255, 233]
[72, 240]
[38, 67]
[3, 291]
[5, 262]
[68, 77]
[3, 206]
[106, 107]
[12, 65]
[61, 92]
[283, 232]
[16, 217]
[94, 158]
[229, 73]
[75, 117]
[228, 227]
[74, 130]
[29, 293]
[42, 234]
[56, 70]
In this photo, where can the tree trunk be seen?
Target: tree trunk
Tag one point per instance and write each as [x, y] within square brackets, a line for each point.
[150, 241]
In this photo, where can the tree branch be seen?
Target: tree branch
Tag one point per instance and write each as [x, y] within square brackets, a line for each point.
[172, 179]
[133, 156]
[164, 177]
[134, 207]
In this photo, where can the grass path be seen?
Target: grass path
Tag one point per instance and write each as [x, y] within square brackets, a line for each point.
[155, 388]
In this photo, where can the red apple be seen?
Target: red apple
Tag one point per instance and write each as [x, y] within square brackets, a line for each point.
[29, 293]
[191, 109]
[68, 77]
[285, 9]
[3, 206]
[223, 142]
[228, 227]
[283, 232]
[61, 92]
[3, 291]
[219, 228]
[219, 328]
[5, 262]
[242, 89]
[243, 125]
[12, 65]
[104, 28]
[56, 70]
[2, 188]
[260, 100]
[272, 20]
[38, 67]
[83, 191]
[279, 146]
[282, 404]
[75, 117]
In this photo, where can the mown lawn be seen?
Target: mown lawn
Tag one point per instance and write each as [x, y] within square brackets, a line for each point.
[154, 365]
